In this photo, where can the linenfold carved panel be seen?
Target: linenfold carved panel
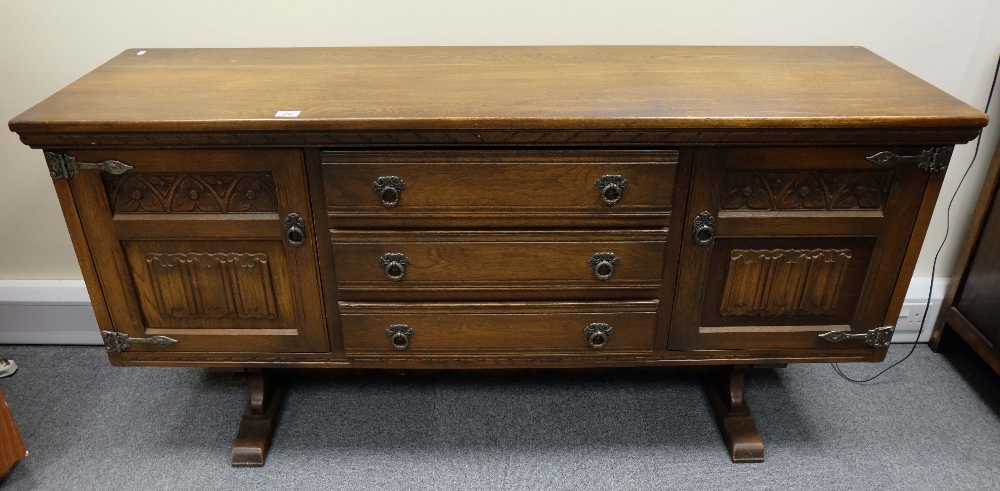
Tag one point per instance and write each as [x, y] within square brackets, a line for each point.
[807, 190]
[197, 285]
[191, 193]
[784, 281]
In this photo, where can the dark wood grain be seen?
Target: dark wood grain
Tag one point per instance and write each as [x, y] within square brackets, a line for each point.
[860, 296]
[525, 138]
[971, 307]
[475, 359]
[739, 431]
[84, 258]
[978, 299]
[499, 188]
[543, 261]
[324, 251]
[516, 328]
[606, 87]
[209, 280]
[500, 149]
[260, 418]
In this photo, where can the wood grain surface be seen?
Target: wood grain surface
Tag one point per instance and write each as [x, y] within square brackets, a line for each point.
[499, 187]
[530, 327]
[583, 87]
[876, 241]
[506, 153]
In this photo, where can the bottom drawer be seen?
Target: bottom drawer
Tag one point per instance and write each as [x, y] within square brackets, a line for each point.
[502, 327]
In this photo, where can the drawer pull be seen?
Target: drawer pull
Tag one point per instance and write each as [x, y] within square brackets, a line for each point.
[389, 189]
[400, 335]
[295, 229]
[704, 228]
[604, 264]
[395, 265]
[597, 334]
[611, 187]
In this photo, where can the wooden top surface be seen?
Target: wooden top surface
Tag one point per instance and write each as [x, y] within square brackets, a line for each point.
[567, 87]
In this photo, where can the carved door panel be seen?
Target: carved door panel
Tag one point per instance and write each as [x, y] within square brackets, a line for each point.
[193, 245]
[783, 244]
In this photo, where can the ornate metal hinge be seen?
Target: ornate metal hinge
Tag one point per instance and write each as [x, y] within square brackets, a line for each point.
[880, 337]
[62, 166]
[932, 160]
[118, 341]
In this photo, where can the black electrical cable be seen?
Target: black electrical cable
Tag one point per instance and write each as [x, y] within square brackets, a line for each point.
[947, 229]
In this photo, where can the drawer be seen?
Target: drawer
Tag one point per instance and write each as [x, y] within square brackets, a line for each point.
[404, 189]
[592, 262]
[500, 327]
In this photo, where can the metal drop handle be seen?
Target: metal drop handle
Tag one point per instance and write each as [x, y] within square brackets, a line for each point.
[390, 190]
[295, 230]
[400, 335]
[612, 188]
[395, 265]
[704, 228]
[604, 264]
[597, 334]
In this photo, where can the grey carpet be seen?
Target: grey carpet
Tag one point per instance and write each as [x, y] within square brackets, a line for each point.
[930, 424]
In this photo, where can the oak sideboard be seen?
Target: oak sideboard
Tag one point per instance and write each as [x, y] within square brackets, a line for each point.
[497, 207]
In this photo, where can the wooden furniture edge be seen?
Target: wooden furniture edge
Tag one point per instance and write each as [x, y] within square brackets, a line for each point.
[83, 255]
[965, 252]
[260, 418]
[913, 249]
[672, 252]
[625, 137]
[952, 318]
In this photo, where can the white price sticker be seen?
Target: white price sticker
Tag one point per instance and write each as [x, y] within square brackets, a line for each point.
[287, 114]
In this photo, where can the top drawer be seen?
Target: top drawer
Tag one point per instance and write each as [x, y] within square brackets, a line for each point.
[499, 188]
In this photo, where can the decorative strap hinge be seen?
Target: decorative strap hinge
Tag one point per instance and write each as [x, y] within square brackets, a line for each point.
[933, 160]
[880, 337]
[118, 341]
[62, 166]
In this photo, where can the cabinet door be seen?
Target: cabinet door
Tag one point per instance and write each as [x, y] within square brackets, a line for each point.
[805, 241]
[192, 245]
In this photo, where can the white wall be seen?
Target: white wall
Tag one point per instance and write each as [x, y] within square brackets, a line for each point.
[46, 44]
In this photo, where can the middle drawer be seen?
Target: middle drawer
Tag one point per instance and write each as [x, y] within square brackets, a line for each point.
[374, 265]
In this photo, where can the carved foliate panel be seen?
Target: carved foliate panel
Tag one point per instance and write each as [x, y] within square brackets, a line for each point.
[807, 190]
[199, 285]
[784, 281]
[191, 193]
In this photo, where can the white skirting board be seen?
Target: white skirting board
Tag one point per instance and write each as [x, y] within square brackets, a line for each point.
[58, 312]
[46, 312]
